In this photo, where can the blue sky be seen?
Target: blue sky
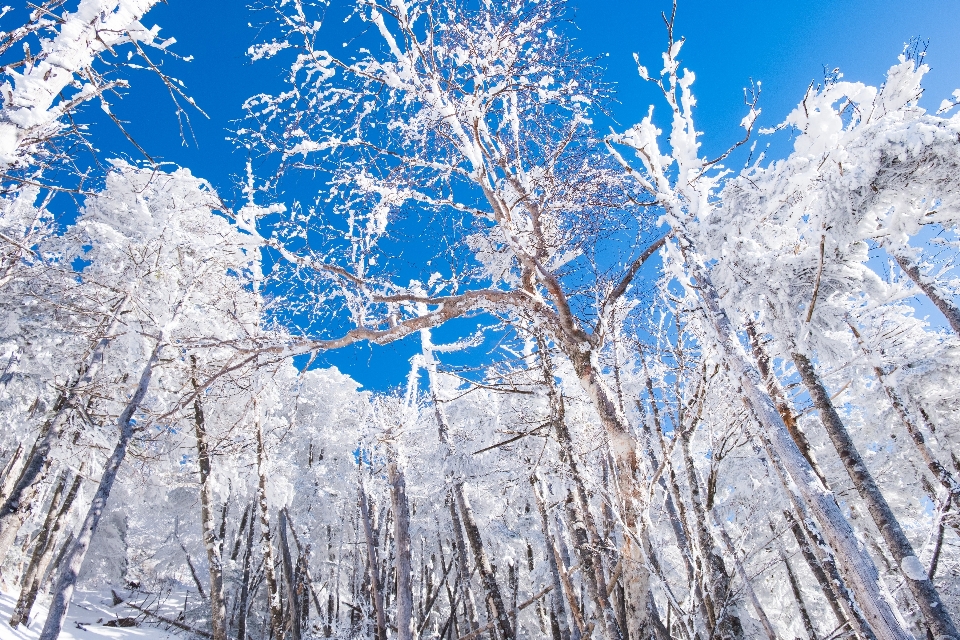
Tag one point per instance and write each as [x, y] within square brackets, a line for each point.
[783, 44]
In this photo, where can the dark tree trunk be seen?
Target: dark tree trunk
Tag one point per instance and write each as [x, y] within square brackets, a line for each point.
[833, 599]
[490, 586]
[213, 546]
[273, 592]
[289, 580]
[780, 400]
[929, 287]
[245, 576]
[558, 611]
[401, 521]
[373, 566]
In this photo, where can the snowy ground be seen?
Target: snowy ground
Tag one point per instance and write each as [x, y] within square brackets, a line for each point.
[88, 613]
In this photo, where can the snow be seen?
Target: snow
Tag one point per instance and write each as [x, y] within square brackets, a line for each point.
[913, 569]
[88, 613]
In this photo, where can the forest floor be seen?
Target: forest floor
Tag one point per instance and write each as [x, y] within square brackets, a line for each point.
[89, 613]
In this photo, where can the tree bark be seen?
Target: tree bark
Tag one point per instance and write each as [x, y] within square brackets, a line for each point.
[218, 606]
[39, 546]
[796, 589]
[675, 507]
[635, 578]
[273, 593]
[27, 501]
[289, 579]
[463, 565]
[9, 476]
[819, 573]
[923, 590]
[73, 561]
[42, 553]
[373, 566]
[929, 287]
[780, 400]
[553, 561]
[717, 586]
[501, 615]
[587, 540]
[401, 523]
[245, 577]
[751, 594]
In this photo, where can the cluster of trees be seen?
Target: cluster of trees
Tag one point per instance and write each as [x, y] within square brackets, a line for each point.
[711, 408]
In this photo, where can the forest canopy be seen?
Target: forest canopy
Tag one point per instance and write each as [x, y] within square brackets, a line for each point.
[655, 392]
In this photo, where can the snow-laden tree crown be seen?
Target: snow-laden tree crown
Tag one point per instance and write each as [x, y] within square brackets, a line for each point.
[702, 398]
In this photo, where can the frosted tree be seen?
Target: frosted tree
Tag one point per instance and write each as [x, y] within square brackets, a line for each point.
[690, 202]
[482, 117]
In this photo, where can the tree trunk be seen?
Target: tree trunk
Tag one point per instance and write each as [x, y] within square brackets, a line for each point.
[20, 496]
[929, 287]
[241, 531]
[635, 578]
[443, 430]
[675, 508]
[48, 576]
[553, 561]
[401, 523]
[43, 551]
[245, 577]
[494, 598]
[816, 567]
[795, 587]
[73, 561]
[751, 594]
[39, 546]
[28, 499]
[780, 400]
[925, 594]
[218, 606]
[463, 566]
[717, 587]
[10, 473]
[373, 566]
[289, 579]
[273, 593]
[861, 573]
